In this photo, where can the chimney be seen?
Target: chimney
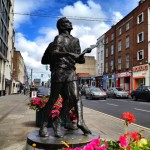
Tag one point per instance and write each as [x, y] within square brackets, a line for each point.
[141, 1]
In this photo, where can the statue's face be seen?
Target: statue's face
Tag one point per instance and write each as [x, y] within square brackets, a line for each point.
[67, 24]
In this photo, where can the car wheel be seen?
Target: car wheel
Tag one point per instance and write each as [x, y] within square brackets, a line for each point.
[104, 98]
[86, 97]
[134, 98]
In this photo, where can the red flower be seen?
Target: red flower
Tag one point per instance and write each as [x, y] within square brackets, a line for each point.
[135, 136]
[128, 117]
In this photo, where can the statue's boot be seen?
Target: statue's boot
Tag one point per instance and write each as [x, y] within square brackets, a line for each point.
[80, 123]
[56, 125]
[70, 125]
[43, 130]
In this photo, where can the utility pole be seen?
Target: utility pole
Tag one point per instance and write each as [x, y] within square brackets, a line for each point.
[31, 77]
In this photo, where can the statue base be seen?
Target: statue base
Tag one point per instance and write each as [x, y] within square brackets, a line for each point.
[74, 138]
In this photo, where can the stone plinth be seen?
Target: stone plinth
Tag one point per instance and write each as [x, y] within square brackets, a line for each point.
[74, 138]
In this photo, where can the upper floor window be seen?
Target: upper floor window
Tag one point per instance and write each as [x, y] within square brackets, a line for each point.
[127, 26]
[106, 40]
[120, 31]
[120, 45]
[119, 63]
[127, 42]
[140, 37]
[106, 67]
[112, 64]
[112, 49]
[140, 55]
[106, 52]
[127, 60]
[112, 36]
[101, 55]
[140, 18]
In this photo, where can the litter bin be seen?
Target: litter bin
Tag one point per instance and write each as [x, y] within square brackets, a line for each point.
[33, 92]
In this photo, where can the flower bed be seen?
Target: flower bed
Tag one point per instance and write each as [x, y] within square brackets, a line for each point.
[39, 103]
[129, 141]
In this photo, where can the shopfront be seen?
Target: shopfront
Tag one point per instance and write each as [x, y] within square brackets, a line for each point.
[124, 80]
[109, 81]
[141, 76]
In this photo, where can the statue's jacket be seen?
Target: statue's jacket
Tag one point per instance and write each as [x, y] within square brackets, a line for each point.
[63, 68]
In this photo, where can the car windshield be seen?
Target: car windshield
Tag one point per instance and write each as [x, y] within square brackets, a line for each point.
[95, 90]
[119, 89]
[43, 91]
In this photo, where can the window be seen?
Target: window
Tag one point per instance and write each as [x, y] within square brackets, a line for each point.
[120, 45]
[127, 42]
[106, 40]
[140, 37]
[112, 49]
[140, 18]
[101, 55]
[120, 31]
[112, 65]
[106, 52]
[127, 26]
[119, 63]
[140, 55]
[127, 60]
[112, 36]
[106, 67]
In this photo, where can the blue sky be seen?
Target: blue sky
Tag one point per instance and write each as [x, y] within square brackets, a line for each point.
[33, 33]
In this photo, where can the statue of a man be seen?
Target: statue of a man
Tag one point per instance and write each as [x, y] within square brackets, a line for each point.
[62, 54]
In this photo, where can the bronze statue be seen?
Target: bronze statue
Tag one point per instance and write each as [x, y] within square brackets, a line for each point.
[62, 55]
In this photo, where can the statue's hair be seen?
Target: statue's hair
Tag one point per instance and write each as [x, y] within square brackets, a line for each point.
[59, 23]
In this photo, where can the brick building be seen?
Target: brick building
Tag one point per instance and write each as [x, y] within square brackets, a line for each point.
[127, 50]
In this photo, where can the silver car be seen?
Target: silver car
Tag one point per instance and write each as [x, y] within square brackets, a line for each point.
[117, 92]
[95, 93]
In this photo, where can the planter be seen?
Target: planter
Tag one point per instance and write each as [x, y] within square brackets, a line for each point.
[39, 119]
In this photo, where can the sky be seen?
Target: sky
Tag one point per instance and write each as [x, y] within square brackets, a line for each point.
[35, 25]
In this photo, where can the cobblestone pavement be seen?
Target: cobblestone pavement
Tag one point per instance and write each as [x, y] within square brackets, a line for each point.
[17, 121]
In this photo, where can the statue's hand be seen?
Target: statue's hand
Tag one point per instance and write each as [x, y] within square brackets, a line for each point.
[88, 50]
[74, 56]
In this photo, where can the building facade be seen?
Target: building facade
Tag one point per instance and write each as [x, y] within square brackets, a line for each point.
[19, 76]
[86, 72]
[127, 50]
[6, 45]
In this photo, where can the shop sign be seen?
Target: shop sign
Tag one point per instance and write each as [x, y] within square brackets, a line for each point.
[140, 68]
[123, 74]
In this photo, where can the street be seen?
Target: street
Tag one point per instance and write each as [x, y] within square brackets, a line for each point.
[115, 107]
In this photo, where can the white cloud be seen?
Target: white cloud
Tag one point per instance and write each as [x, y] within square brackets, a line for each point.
[22, 7]
[117, 16]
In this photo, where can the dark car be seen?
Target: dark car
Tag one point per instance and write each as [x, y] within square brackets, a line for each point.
[95, 93]
[42, 91]
[142, 92]
[117, 92]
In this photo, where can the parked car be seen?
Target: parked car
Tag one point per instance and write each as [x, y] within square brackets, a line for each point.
[142, 92]
[95, 93]
[117, 92]
[42, 91]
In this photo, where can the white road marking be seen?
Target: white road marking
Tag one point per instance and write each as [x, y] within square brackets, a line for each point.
[142, 110]
[112, 104]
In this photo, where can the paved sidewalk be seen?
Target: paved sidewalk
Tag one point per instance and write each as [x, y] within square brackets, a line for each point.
[17, 120]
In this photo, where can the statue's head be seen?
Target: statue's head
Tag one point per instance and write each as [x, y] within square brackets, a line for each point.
[64, 24]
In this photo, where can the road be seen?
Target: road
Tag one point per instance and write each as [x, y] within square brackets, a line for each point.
[115, 107]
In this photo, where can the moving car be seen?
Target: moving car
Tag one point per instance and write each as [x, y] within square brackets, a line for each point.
[42, 91]
[117, 92]
[142, 92]
[95, 93]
